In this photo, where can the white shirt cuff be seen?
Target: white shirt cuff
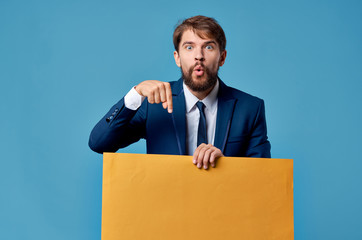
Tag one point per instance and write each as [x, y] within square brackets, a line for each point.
[133, 99]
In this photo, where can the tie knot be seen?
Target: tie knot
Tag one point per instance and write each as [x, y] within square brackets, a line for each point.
[200, 106]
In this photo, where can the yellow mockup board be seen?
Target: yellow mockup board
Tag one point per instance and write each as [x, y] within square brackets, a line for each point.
[166, 197]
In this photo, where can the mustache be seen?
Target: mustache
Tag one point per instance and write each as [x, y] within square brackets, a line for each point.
[199, 64]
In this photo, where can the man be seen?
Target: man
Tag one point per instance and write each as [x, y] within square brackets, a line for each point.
[204, 117]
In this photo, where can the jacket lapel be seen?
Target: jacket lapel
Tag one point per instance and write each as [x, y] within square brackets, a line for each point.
[179, 115]
[225, 111]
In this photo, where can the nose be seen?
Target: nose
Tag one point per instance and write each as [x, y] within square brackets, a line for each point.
[199, 55]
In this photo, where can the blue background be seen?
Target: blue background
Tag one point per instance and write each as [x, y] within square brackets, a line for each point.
[63, 64]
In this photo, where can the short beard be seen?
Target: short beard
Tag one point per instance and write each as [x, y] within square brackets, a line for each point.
[211, 79]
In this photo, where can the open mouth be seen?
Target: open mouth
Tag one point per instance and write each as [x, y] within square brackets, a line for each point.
[199, 70]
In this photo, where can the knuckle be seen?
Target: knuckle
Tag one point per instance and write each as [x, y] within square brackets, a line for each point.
[152, 90]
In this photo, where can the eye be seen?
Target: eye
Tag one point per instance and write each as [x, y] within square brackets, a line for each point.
[189, 47]
[209, 47]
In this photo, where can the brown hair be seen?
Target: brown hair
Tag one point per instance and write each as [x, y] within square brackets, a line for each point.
[203, 27]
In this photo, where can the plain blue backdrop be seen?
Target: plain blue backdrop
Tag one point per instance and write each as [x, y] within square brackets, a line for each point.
[63, 64]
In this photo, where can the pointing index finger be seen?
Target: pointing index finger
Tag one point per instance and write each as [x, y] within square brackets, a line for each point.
[169, 97]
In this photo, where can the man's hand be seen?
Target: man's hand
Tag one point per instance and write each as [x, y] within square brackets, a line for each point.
[156, 92]
[205, 155]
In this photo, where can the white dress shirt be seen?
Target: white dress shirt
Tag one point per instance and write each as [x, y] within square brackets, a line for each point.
[133, 101]
[193, 117]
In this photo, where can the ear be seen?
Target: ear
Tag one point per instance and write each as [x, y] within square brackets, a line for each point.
[177, 58]
[222, 58]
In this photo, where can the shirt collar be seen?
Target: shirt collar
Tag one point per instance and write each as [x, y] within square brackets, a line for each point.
[210, 100]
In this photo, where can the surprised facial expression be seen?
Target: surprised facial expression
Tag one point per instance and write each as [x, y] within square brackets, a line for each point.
[199, 60]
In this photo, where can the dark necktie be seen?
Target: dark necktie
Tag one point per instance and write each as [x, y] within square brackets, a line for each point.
[201, 133]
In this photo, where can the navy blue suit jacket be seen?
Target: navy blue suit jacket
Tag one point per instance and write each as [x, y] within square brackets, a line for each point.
[240, 125]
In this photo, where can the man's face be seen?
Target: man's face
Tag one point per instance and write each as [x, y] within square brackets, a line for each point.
[199, 60]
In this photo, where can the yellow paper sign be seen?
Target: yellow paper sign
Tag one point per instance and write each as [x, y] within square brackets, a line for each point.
[166, 197]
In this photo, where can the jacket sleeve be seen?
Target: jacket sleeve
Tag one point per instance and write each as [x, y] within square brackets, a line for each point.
[118, 128]
[259, 146]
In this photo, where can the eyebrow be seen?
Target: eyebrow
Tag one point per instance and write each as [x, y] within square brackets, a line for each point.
[208, 42]
[184, 43]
